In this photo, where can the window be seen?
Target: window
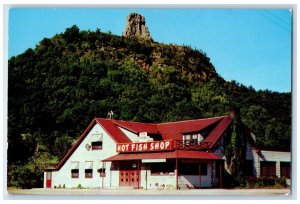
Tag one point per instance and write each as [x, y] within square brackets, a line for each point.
[187, 139]
[75, 173]
[200, 137]
[89, 173]
[194, 139]
[248, 167]
[285, 169]
[203, 167]
[88, 166]
[97, 145]
[102, 172]
[162, 168]
[267, 169]
[192, 168]
[189, 169]
[74, 169]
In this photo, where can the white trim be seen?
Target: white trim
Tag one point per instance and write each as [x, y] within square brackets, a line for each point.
[153, 160]
[75, 165]
[88, 165]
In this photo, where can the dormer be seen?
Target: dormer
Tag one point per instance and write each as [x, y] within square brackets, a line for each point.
[192, 138]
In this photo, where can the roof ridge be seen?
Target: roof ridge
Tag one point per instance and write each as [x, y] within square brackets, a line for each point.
[113, 120]
[116, 121]
[134, 122]
[218, 131]
[76, 145]
[108, 130]
[220, 117]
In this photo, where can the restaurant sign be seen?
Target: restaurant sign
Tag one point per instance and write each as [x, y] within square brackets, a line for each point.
[146, 146]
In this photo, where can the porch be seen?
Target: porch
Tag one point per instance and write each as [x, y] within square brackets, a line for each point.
[179, 169]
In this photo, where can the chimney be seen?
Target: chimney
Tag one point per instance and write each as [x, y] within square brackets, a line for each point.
[233, 112]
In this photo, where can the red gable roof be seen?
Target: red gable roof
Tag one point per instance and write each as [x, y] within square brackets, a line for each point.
[218, 131]
[168, 131]
[74, 147]
[171, 130]
[182, 154]
[112, 129]
[137, 127]
[108, 125]
[174, 130]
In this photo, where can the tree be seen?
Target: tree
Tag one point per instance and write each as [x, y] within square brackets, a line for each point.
[57, 88]
[62, 144]
[71, 34]
[235, 150]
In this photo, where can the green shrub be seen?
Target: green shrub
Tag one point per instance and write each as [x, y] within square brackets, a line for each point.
[271, 182]
[281, 182]
[24, 176]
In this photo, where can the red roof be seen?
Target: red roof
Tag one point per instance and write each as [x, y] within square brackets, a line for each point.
[168, 131]
[137, 127]
[174, 130]
[218, 131]
[112, 129]
[181, 154]
[74, 147]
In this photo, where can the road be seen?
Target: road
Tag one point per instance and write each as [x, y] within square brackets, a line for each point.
[254, 193]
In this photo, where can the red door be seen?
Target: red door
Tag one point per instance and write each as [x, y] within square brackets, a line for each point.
[124, 178]
[129, 178]
[134, 178]
[129, 174]
[48, 179]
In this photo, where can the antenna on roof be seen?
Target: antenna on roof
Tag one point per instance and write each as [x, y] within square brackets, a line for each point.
[110, 114]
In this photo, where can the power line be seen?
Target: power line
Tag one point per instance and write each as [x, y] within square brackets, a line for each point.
[270, 19]
[261, 55]
[278, 18]
[253, 59]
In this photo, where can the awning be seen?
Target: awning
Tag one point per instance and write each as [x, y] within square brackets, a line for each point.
[74, 165]
[88, 165]
[180, 154]
[99, 165]
[97, 137]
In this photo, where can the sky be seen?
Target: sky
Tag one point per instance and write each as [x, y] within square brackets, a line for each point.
[250, 46]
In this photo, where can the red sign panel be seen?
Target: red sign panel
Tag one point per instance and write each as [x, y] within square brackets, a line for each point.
[146, 146]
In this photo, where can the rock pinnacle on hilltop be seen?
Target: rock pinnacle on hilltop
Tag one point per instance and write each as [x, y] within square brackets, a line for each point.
[136, 27]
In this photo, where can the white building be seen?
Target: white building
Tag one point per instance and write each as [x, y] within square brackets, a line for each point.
[183, 154]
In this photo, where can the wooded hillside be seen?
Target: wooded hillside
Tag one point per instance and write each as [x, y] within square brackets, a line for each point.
[57, 88]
